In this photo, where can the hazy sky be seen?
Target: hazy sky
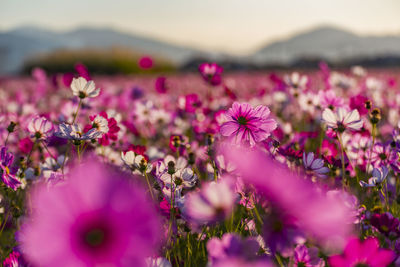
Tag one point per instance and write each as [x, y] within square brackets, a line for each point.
[238, 26]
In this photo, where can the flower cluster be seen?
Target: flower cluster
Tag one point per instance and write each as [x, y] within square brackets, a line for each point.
[201, 169]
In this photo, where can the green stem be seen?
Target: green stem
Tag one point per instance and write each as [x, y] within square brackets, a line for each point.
[371, 148]
[342, 158]
[148, 184]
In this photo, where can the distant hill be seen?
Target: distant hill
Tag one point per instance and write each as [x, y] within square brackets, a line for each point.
[336, 46]
[21, 43]
[328, 43]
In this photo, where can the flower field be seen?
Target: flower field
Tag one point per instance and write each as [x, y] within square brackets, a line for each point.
[285, 168]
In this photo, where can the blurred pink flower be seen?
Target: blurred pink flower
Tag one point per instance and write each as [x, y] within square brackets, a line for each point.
[83, 71]
[96, 218]
[365, 253]
[211, 73]
[214, 202]
[145, 62]
[298, 198]
[161, 85]
[245, 124]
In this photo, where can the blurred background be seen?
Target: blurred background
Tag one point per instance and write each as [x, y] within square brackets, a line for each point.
[175, 35]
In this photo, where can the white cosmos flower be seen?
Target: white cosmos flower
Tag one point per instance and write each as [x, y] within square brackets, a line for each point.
[82, 88]
[341, 120]
[101, 124]
[74, 132]
[137, 163]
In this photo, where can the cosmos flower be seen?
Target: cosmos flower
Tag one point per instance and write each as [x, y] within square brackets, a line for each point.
[176, 170]
[161, 85]
[387, 224]
[107, 125]
[383, 155]
[246, 124]
[307, 257]
[314, 165]
[231, 245]
[365, 253]
[96, 218]
[214, 202]
[14, 260]
[211, 73]
[145, 62]
[100, 123]
[136, 162]
[293, 195]
[82, 88]
[328, 99]
[74, 132]
[40, 128]
[378, 176]
[296, 83]
[342, 120]
[9, 179]
[25, 145]
[158, 262]
[358, 102]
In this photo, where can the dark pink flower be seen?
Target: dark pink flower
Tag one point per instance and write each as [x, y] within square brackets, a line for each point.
[96, 218]
[145, 62]
[358, 102]
[161, 85]
[14, 260]
[365, 253]
[25, 145]
[211, 73]
[192, 103]
[246, 124]
[82, 71]
[8, 178]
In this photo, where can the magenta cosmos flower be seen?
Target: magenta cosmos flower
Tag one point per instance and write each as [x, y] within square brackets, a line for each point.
[9, 179]
[211, 73]
[245, 124]
[97, 218]
[300, 200]
[365, 253]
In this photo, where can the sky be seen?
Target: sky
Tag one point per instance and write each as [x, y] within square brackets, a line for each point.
[234, 26]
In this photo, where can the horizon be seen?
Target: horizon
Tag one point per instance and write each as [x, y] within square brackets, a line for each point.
[257, 47]
[226, 25]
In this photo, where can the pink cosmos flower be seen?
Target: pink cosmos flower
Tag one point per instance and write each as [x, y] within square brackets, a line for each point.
[40, 128]
[365, 253]
[358, 102]
[214, 202]
[211, 73]
[8, 178]
[96, 218]
[328, 99]
[14, 260]
[161, 85]
[82, 71]
[25, 145]
[145, 62]
[307, 257]
[245, 124]
[300, 199]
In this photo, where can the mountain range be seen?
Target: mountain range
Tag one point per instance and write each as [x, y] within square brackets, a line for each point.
[323, 43]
